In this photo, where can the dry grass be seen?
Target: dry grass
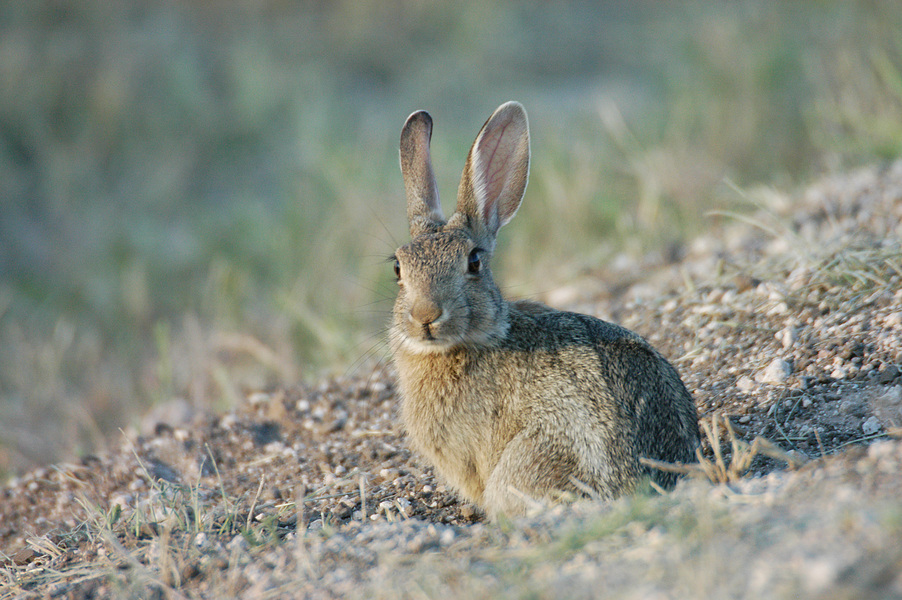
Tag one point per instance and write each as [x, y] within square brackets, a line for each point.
[155, 546]
[865, 262]
[163, 544]
[724, 468]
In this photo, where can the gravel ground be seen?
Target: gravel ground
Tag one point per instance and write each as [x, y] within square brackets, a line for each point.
[789, 322]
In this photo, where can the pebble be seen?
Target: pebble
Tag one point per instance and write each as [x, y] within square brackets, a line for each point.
[871, 425]
[819, 574]
[238, 543]
[778, 371]
[467, 511]
[888, 374]
[745, 384]
[787, 337]
[389, 474]
[257, 398]
[446, 537]
[122, 500]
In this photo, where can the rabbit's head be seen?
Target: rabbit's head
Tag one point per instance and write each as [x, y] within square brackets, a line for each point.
[447, 298]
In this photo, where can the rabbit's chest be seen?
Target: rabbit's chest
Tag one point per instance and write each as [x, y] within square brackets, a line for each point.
[457, 427]
[449, 427]
[457, 439]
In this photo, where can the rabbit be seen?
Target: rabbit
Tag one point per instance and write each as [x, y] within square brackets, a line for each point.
[516, 402]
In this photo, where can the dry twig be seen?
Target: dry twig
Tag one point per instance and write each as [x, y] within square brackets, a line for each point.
[719, 471]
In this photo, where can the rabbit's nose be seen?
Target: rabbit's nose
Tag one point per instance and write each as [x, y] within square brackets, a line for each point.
[425, 312]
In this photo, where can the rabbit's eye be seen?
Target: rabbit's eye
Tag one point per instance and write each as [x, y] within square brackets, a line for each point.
[474, 264]
[397, 268]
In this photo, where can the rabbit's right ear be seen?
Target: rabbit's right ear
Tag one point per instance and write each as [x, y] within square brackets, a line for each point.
[496, 172]
[424, 210]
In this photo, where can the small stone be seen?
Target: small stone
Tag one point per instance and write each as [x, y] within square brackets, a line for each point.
[258, 398]
[820, 574]
[446, 537]
[777, 371]
[238, 543]
[780, 308]
[800, 457]
[745, 282]
[888, 374]
[389, 474]
[871, 425]
[415, 546]
[788, 336]
[24, 556]
[745, 384]
[122, 500]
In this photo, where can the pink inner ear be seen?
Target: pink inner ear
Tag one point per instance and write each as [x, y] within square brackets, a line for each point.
[498, 167]
[494, 157]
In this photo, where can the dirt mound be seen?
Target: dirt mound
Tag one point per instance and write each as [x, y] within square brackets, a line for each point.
[788, 322]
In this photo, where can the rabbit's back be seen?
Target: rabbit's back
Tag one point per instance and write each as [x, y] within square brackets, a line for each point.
[639, 404]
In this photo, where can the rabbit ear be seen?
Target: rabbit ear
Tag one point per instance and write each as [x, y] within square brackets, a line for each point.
[497, 170]
[424, 210]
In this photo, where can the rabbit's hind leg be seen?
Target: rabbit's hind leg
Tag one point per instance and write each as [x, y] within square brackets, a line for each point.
[533, 466]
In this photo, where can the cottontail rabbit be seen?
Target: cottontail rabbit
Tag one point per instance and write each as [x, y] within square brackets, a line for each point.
[516, 400]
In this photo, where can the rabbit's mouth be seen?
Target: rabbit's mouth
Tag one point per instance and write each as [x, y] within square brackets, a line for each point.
[428, 343]
[427, 333]
[430, 339]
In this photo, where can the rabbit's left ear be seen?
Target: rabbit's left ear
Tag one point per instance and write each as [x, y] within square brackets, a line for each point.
[497, 170]
[424, 209]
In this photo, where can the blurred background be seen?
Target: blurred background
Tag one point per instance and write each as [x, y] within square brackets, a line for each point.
[197, 198]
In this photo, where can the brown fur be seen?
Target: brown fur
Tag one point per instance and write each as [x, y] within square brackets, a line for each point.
[511, 401]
